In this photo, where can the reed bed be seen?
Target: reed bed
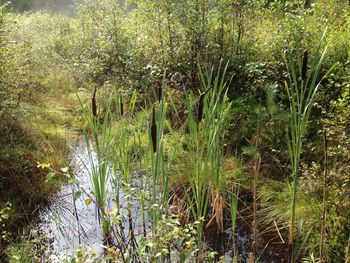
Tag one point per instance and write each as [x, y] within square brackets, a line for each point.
[123, 154]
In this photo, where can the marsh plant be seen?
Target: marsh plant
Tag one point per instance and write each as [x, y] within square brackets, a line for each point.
[99, 141]
[156, 149]
[124, 159]
[205, 138]
[304, 83]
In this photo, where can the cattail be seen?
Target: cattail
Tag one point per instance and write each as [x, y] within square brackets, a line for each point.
[160, 93]
[154, 130]
[121, 106]
[93, 104]
[201, 106]
[304, 68]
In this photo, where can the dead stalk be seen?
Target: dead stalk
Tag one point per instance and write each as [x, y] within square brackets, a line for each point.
[324, 215]
[255, 206]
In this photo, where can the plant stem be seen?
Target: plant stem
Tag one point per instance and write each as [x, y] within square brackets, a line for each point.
[325, 175]
[255, 206]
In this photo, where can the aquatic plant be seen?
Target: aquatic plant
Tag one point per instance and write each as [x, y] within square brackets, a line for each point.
[156, 150]
[99, 139]
[301, 90]
[206, 131]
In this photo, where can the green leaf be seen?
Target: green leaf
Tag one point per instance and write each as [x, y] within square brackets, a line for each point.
[77, 195]
[49, 176]
[182, 257]
[65, 169]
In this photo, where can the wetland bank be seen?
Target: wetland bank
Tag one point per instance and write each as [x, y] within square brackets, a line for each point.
[187, 131]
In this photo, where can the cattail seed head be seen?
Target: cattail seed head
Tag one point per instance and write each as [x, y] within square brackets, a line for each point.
[201, 106]
[160, 93]
[93, 104]
[154, 130]
[304, 67]
[121, 106]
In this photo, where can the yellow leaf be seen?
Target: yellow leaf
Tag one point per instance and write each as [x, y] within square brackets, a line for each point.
[88, 201]
[43, 165]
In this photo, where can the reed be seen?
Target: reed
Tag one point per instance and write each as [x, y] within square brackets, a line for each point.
[98, 139]
[233, 213]
[125, 177]
[111, 165]
[154, 130]
[256, 170]
[156, 149]
[206, 131]
[301, 91]
[257, 164]
[324, 211]
[126, 150]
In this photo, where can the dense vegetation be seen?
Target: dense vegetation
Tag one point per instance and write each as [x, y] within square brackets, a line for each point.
[237, 113]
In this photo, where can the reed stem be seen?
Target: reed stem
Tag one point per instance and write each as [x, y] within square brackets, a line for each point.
[324, 214]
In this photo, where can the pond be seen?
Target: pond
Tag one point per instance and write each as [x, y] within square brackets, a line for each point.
[70, 221]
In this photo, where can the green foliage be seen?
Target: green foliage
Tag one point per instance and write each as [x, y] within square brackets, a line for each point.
[336, 125]
[10, 88]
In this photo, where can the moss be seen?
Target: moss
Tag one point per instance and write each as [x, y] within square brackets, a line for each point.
[35, 132]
